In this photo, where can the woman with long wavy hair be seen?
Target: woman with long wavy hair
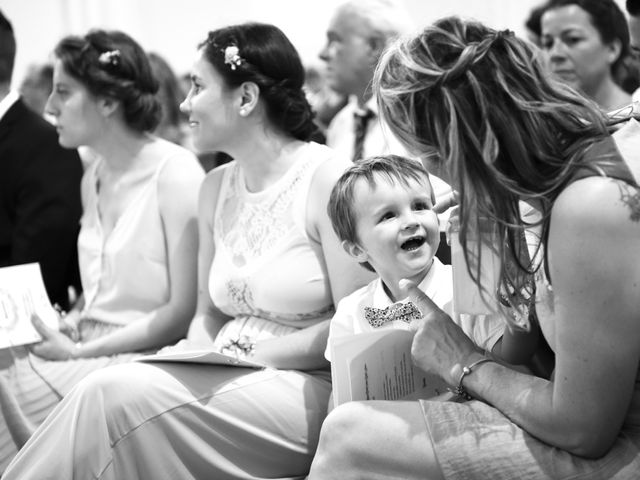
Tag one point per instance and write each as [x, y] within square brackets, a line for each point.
[478, 107]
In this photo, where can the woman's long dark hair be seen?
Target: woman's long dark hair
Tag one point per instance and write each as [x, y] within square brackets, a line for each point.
[269, 60]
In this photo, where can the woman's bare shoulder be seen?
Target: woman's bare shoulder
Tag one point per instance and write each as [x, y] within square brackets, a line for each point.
[598, 203]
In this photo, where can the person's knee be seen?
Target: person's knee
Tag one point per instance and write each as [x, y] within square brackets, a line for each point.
[341, 430]
[113, 387]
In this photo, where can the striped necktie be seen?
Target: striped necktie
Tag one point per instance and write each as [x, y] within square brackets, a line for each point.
[360, 121]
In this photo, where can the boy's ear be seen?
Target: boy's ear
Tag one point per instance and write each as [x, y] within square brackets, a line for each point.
[354, 250]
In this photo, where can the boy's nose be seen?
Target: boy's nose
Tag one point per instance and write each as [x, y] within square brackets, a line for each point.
[410, 221]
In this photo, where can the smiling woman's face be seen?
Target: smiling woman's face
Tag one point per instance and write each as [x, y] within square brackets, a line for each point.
[576, 53]
[209, 108]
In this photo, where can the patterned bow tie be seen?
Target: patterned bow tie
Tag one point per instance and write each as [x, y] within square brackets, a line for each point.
[404, 312]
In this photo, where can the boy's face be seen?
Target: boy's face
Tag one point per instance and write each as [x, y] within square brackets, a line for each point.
[397, 228]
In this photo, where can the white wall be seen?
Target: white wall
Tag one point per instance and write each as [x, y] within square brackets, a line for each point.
[173, 28]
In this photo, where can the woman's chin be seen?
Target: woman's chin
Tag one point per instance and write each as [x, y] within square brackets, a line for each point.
[66, 143]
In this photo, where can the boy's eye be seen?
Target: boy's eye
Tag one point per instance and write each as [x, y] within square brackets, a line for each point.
[421, 206]
[386, 216]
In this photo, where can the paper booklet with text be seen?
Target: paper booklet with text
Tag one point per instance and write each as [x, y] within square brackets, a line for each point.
[377, 366]
[22, 294]
[210, 357]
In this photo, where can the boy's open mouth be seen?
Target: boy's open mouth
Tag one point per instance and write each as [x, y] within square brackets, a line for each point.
[413, 243]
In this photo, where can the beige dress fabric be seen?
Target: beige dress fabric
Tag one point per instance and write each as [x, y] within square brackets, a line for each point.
[186, 421]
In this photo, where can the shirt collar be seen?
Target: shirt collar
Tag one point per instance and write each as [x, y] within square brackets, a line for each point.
[427, 285]
[371, 105]
[7, 102]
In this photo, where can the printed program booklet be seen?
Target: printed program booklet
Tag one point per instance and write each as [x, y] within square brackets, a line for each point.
[22, 294]
[210, 357]
[377, 366]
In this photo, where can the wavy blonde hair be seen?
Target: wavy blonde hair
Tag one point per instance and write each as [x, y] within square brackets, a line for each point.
[480, 103]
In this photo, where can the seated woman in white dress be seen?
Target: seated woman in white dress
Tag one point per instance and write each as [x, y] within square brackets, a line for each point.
[270, 272]
[138, 238]
[478, 106]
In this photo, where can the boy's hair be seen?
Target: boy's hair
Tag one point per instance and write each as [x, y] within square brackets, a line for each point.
[341, 202]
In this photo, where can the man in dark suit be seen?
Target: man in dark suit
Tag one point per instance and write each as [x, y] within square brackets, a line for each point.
[39, 187]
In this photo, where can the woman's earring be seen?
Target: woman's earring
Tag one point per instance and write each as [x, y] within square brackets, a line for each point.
[243, 112]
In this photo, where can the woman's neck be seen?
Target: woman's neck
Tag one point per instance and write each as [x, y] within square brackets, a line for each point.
[610, 96]
[265, 156]
[120, 149]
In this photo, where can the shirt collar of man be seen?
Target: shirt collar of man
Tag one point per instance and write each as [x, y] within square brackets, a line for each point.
[7, 102]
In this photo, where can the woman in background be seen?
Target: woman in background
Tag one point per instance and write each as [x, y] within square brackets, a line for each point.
[587, 43]
[138, 239]
[172, 124]
[270, 272]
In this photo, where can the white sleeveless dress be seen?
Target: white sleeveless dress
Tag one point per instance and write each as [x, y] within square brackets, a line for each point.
[124, 276]
[188, 421]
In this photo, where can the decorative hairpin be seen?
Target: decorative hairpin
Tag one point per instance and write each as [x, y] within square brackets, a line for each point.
[232, 57]
[501, 34]
[111, 57]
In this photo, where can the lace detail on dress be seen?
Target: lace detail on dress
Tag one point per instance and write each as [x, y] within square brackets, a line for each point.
[242, 299]
[240, 295]
[249, 229]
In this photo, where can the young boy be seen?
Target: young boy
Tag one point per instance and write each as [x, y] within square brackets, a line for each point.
[382, 210]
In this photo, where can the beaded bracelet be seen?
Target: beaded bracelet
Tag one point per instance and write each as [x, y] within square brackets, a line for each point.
[460, 390]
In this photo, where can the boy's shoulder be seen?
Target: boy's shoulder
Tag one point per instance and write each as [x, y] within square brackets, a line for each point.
[362, 295]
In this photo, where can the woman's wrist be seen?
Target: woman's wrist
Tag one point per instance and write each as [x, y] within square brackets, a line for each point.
[76, 351]
[460, 372]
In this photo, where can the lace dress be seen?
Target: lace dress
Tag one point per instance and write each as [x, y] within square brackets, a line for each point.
[267, 273]
[188, 421]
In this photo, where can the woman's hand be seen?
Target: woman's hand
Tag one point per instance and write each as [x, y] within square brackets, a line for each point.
[445, 201]
[69, 324]
[54, 345]
[439, 345]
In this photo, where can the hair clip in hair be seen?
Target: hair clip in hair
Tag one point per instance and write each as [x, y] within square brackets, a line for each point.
[502, 34]
[111, 57]
[232, 57]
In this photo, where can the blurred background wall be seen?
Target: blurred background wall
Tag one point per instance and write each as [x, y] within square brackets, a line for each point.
[173, 28]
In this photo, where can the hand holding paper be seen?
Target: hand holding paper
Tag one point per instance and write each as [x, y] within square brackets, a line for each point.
[55, 345]
[22, 294]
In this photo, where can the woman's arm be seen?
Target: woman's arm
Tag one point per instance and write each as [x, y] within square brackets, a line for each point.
[592, 326]
[517, 346]
[304, 350]
[345, 274]
[208, 319]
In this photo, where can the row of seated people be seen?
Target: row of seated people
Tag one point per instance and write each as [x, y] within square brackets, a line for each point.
[272, 263]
